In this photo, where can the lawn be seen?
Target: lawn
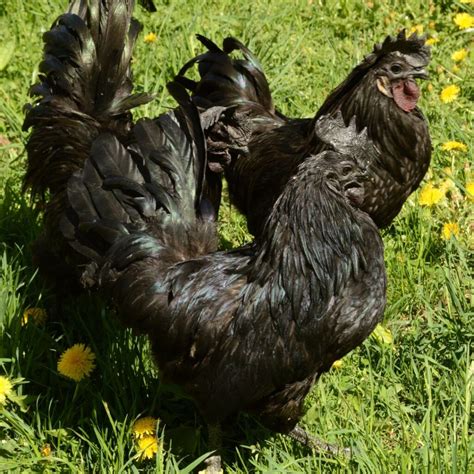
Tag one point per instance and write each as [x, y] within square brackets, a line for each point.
[403, 400]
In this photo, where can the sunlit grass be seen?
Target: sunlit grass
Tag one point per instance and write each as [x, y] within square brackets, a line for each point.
[404, 406]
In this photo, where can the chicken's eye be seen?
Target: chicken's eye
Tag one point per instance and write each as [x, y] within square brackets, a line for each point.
[396, 68]
[346, 169]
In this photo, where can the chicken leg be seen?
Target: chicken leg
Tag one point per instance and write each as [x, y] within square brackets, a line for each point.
[213, 463]
[300, 435]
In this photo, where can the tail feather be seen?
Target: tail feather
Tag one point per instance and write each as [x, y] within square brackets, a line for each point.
[150, 188]
[84, 89]
[226, 81]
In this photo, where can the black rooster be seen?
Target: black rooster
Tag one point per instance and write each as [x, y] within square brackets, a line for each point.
[84, 89]
[250, 329]
[259, 149]
[246, 330]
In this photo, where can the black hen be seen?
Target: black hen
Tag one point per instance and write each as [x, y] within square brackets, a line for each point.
[259, 149]
[84, 89]
[249, 329]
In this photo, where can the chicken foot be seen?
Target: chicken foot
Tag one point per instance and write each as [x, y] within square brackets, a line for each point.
[300, 435]
[213, 463]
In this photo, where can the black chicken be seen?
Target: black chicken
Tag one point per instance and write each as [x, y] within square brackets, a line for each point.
[259, 149]
[249, 329]
[246, 330]
[84, 89]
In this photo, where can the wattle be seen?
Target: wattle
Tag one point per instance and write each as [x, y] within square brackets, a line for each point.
[406, 94]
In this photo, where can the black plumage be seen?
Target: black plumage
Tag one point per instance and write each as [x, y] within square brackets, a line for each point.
[259, 149]
[84, 89]
[244, 330]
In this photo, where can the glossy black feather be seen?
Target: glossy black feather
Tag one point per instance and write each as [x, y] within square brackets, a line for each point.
[244, 330]
[259, 149]
[84, 89]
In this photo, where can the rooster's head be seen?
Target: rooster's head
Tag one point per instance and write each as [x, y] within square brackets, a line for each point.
[349, 164]
[398, 62]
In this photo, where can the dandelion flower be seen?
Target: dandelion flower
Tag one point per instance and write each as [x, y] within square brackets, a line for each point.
[459, 55]
[430, 195]
[470, 189]
[144, 426]
[5, 389]
[464, 21]
[431, 41]
[418, 29]
[383, 335]
[337, 364]
[147, 446]
[76, 362]
[150, 38]
[45, 450]
[449, 93]
[449, 229]
[454, 146]
[37, 315]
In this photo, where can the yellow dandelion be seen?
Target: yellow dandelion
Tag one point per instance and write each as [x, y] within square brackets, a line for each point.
[454, 146]
[430, 195]
[464, 21]
[45, 450]
[449, 93]
[147, 446]
[150, 38]
[37, 315]
[337, 364]
[144, 426]
[418, 29]
[459, 55]
[450, 229]
[76, 362]
[431, 41]
[430, 87]
[5, 389]
[383, 335]
[470, 189]
[432, 25]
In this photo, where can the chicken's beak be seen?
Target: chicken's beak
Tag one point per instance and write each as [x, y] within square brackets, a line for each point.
[420, 73]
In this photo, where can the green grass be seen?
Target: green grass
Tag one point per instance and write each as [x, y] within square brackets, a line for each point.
[405, 406]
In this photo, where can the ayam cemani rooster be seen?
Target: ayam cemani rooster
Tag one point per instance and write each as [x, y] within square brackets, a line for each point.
[250, 329]
[244, 330]
[259, 149]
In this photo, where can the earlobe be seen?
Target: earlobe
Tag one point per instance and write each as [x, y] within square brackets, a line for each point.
[383, 86]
